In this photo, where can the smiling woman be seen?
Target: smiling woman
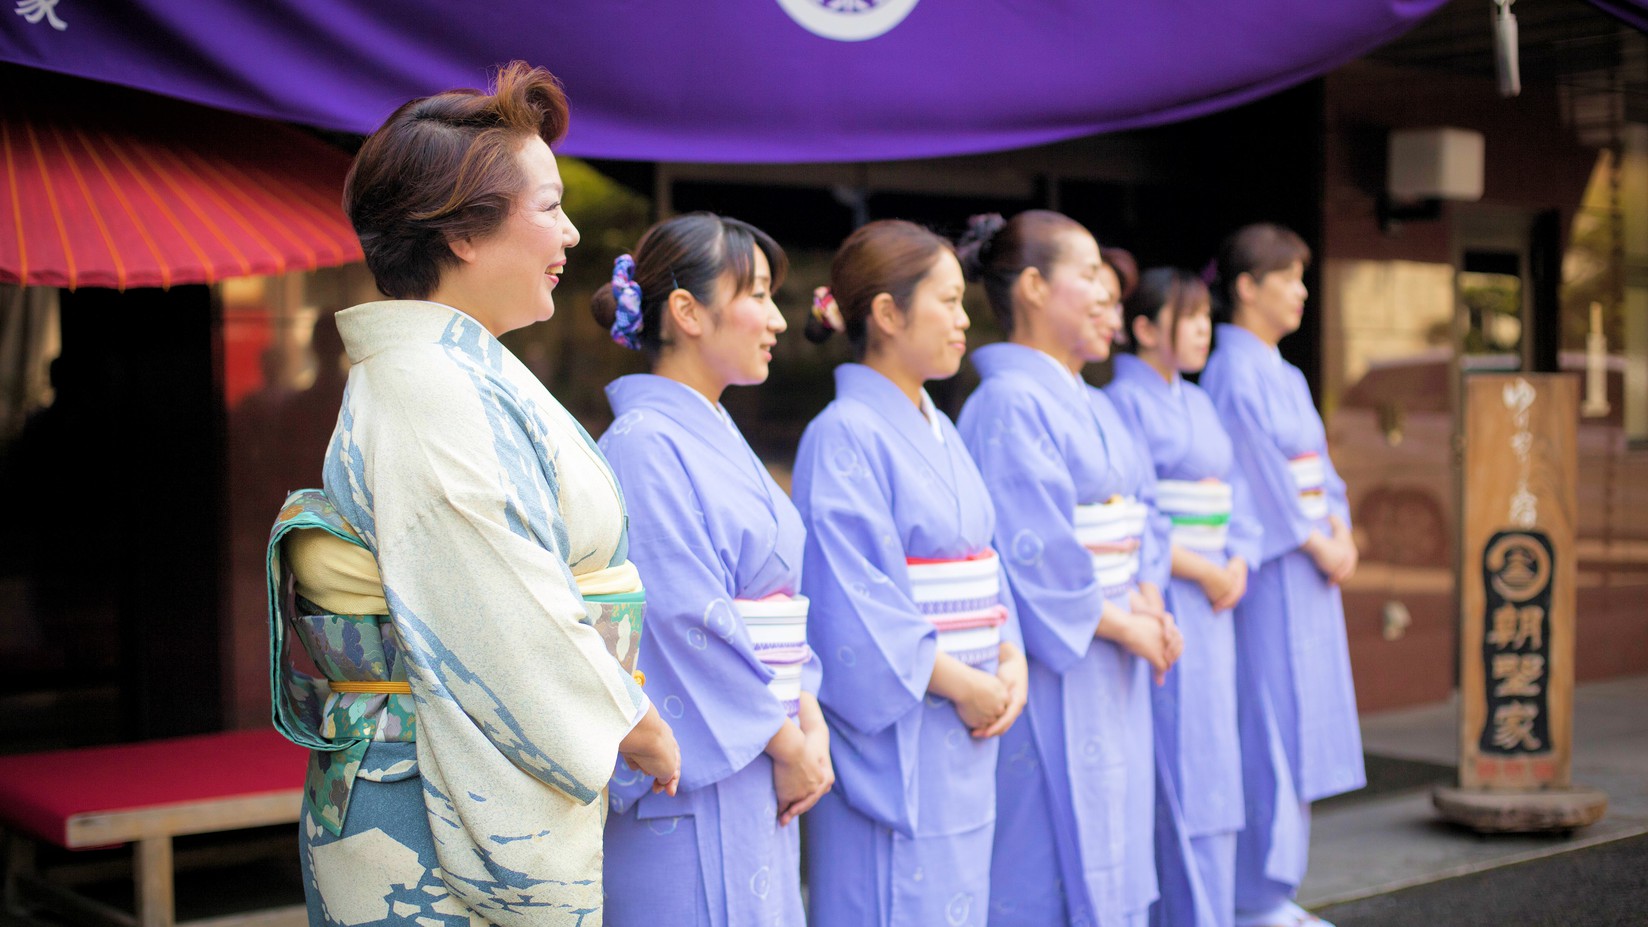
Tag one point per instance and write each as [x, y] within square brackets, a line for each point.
[462, 580]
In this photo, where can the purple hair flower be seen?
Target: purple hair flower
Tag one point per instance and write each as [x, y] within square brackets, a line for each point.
[626, 322]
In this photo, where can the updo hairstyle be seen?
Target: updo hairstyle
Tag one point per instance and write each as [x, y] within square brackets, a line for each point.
[995, 251]
[889, 256]
[445, 168]
[694, 252]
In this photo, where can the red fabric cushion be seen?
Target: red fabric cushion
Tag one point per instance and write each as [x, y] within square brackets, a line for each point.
[40, 792]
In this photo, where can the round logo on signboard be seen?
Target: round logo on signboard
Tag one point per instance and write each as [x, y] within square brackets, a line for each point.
[848, 20]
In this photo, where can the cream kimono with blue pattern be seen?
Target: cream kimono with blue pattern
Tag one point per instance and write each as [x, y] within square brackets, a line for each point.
[480, 497]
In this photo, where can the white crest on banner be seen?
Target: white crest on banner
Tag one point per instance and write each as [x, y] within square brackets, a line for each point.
[35, 10]
[848, 20]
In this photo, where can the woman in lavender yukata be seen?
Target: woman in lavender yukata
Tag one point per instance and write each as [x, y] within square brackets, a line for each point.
[719, 548]
[922, 661]
[1075, 815]
[1214, 538]
[1296, 704]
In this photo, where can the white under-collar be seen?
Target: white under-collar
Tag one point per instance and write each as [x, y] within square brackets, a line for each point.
[931, 412]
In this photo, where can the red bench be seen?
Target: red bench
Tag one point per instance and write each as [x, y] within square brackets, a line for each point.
[147, 793]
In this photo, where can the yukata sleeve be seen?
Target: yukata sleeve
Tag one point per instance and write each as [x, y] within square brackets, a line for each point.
[465, 519]
[1334, 485]
[698, 658]
[1058, 596]
[1274, 496]
[1245, 534]
[878, 648]
[1156, 551]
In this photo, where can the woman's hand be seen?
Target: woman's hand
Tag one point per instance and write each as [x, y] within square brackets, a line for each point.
[1335, 556]
[1014, 673]
[980, 698]
[1235, 586]
[1351, 557]
[818, 752]
[1145, 635]
[798, 780]
[651, 748]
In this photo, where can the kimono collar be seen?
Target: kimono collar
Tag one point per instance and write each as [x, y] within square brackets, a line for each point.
[372, 328]
[856, 381]
[1247, 342]
[1043, 368]
[1129, 368]
[683, 403]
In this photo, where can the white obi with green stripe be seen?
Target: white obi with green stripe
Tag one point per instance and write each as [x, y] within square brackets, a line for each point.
[1200, 512]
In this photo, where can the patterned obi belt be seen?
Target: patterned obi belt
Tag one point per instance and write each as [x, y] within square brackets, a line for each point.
[777, 626]
[1113, 531]
[1200, 512]
[1310, 477]
[326, 592]
[962, 598]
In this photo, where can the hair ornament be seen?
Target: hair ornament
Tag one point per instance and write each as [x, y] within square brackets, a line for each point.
[1210, 272]
[626, 322]
[826, 310]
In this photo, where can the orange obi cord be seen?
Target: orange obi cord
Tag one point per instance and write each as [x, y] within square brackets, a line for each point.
[372, 686]
[640, 678]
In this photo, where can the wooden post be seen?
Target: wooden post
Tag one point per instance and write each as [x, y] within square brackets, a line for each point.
[153, 877]
[1517, 601]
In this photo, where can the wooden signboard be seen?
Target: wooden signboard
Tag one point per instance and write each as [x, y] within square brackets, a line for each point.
[1517, 600]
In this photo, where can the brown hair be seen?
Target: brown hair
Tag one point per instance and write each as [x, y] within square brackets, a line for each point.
[889, 256]
[444, 168]
[1256, 250]
[1162, 295]
[996, 251]
[689, 252]
[1126, 267]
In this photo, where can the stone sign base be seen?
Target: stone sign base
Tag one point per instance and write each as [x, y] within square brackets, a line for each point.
[1493, 812]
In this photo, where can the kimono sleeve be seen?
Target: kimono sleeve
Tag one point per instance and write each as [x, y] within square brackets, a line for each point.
[1051, 573]
[1245, 534]
[1274, 497]
[1334, 487]
[699, 662]
[469, 535]
[1156, 550]
[876, 646]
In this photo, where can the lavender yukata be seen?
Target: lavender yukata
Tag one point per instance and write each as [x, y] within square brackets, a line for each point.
[708, 527]
[1074, 829]
[905, 837]
[1297, 707]
[1198, 757]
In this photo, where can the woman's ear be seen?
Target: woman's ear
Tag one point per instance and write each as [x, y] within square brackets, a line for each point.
[1145, 333]
[885, 317]
[1031, 289]
[1247, 287]
[686, 315]
[462, 248]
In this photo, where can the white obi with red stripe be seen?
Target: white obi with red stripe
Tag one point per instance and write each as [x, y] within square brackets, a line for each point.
[962, 598]
[1113, 532]
[777, 626]
[1200, 512]
[1310, 477]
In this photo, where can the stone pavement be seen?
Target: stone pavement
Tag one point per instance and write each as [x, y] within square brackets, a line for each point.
[1362, 847]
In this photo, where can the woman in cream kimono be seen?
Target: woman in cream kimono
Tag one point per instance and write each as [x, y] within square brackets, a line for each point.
[464, 725]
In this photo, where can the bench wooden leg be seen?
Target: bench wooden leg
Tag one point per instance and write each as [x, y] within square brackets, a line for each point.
[152, 876]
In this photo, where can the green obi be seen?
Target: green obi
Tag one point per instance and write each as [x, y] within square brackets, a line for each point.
[336, 727]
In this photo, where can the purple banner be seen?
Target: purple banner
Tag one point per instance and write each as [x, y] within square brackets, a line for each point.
[730, 80]
[1632, 12]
